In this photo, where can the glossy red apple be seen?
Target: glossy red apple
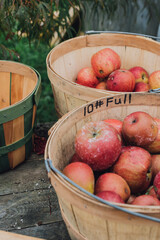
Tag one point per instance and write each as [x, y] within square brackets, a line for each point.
[154, 147]
[141, 75]
[139, 129]
[113, 182]
[156, 184]
[146, 200]
[141, 87]
[81, 174]
[98, 144]
[134, 165]
[154, 80]
[110, 196]
[87, 77]
[105, 61]
[101, 85]
[155, 164]
[121, 80]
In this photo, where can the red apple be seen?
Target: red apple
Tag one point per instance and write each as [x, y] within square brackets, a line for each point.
[134, 165]
[98, 144]
[117, 124]
[139, 129]
[154, 80]
[141, 75]
[110, 196]
[156, 184]
[75, 158]
[154, 147]
[101, 85]
[81, 174]
[125, 148]
[155, 164]
[141, 87]
[121, 80]
[104, 62]
[131, 199]
[113, 182]
[146, 200]
[87, 77]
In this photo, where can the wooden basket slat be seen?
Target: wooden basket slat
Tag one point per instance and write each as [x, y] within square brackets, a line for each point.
[15, 67]
[123, 40]
[28, 85]
[5, 90]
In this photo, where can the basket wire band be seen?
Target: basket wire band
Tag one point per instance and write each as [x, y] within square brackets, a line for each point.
[119, 32]
[49, 166]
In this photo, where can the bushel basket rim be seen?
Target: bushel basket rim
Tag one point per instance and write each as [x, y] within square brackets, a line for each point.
[33, 91]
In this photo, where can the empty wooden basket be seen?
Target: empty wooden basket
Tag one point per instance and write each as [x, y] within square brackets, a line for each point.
[66, 59]
[86, 217]
[19, 96]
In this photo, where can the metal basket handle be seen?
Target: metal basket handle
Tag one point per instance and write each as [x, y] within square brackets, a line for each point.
[119, 32]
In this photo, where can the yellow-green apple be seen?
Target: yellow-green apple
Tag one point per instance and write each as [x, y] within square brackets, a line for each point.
[154, 147]
[110, 196]
[141, 75]
[141, 87]
[98, 144]
[113, 182]
[81, 174]
[87, 77]
[155, 164]
[146, 200]
[121, 80]
[134, 165]
[154, 80]
[156, 184]
[139, 129]
[105, 61]
[101, 85]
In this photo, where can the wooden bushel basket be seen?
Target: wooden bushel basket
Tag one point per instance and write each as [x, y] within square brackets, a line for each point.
[88, 217]
[66, 59]
[19, 97]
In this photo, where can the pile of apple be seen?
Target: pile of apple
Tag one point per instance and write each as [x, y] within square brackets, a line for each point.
[106, 73]
[119, 161]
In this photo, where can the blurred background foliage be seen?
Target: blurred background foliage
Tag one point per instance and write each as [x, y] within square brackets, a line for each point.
[30, 29]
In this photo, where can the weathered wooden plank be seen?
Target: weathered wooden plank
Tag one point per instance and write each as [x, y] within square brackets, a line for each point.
[28, 202]
[28, 176]
[28, 209]
[52, 231]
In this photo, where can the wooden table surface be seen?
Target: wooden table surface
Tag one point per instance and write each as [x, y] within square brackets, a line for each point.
[28, 202]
